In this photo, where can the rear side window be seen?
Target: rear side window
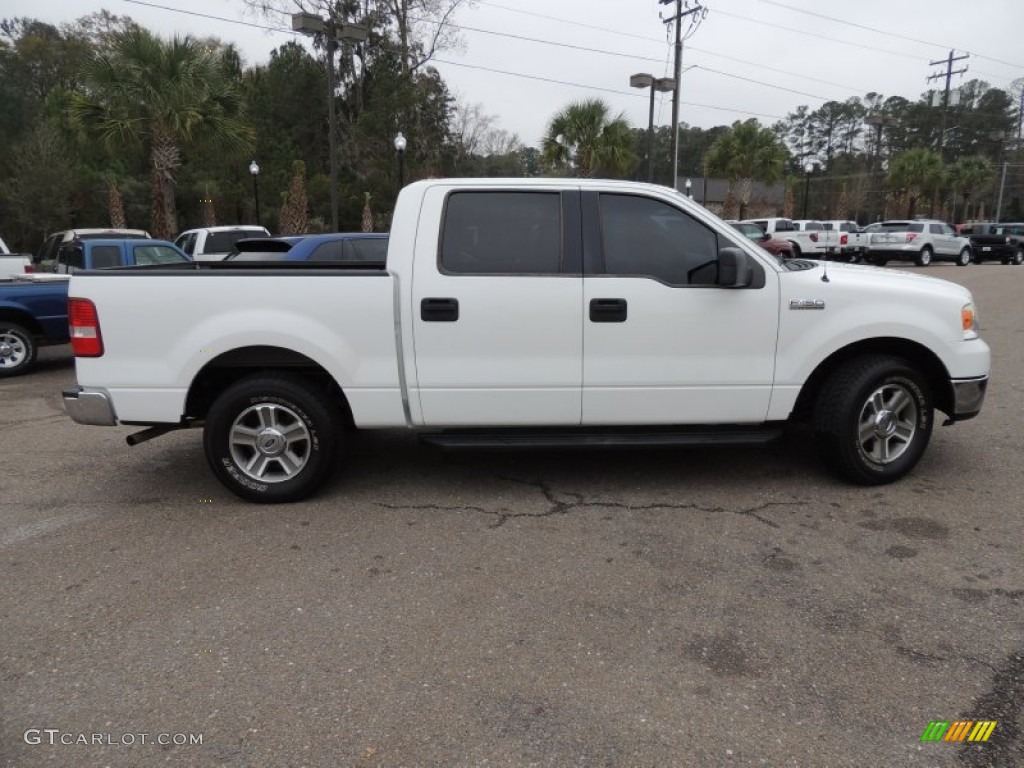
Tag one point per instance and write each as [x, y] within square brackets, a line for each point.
[224, 242]
[813, 226]
[106, 256]
[157, 254]
[935, 229]
[187, 243]
[649, 238]
[71, 256]
[369, 249]
[333, 250]
[784, 225]
[512, 233]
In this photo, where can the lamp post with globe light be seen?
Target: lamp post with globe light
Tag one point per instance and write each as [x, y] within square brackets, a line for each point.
[255, 171]
[400, 145]
[808, 169]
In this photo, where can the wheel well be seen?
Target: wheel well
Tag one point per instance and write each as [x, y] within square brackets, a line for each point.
[916, 354]
[229, 367]
[23, 319]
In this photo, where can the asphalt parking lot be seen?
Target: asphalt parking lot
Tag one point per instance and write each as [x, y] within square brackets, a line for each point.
[677, 608]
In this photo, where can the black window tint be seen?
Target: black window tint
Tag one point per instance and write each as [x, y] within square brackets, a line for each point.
[916, 228]
[71, 256]
[370, 249]
[502, 233]
[224, 242]
[814, 226]
[650, 238]
[105, 256]
[332, 250]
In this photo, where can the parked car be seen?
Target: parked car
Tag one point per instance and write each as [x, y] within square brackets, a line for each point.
[13, 263]
[921, 241]
[102, 254]
[340, 246]
[527, 312]
[851, 243]
[214, 243]
[33, 312]
[995, 242]
[809, 243]
[45, 259]
[781, 248]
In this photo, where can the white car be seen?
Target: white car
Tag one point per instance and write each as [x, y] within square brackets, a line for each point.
[12, 264]
[214, 243]
[921, 241]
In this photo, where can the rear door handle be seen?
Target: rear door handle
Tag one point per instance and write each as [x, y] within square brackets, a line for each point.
[608, 310]
[439, 310]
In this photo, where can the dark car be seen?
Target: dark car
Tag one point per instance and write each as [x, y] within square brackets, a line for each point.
[1003, 242]
[781, 248]
[340, 246]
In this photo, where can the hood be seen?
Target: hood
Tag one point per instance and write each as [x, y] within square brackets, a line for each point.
[878, 279]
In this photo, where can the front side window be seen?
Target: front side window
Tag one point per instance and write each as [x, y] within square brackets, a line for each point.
[648, 238]
[332, 250]
[512, 233]
[369, 249]
[157, 254]
[104, 256]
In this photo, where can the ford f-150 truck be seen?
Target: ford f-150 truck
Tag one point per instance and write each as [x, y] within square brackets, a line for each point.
[527, 312]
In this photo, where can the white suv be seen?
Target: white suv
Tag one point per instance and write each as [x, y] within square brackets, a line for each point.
[921, 241]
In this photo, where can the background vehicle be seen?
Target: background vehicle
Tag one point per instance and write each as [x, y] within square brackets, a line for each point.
[527, 312]
[46, 258]
[102, 254]
[849, 240]
[828, 239]
[214, 243]
[921, 241]
[13, 263]
[805, 243]
[781, 248]
[341, 246]
[995, 242]
[33, 312]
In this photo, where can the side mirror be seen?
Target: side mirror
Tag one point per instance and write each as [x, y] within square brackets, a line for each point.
[734, 268]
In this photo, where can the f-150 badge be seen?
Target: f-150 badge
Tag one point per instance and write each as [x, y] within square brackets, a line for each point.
[806, 304]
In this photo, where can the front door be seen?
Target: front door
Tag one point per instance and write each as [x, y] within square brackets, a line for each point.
[496, 309]
[662, 344]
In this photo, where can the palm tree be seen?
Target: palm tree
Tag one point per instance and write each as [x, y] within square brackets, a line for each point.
[915, 170]
[969, 173]
[162, 95]
[747, 152]
[586, 138]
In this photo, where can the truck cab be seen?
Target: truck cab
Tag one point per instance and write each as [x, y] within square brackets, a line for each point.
[103, 254]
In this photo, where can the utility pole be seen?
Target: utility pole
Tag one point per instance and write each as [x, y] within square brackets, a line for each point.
[948, 74]
[698, 12]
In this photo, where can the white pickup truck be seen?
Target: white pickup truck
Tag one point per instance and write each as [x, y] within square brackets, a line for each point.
[808, 238]
[536, 312]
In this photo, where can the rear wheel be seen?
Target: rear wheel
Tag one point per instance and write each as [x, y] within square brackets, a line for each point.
[18, 349]
[1018, 258]
[270, 438]
[924, 258]
[964, 258]
[873, 419]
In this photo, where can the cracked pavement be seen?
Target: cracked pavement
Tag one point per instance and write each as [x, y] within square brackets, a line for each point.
[726, 607]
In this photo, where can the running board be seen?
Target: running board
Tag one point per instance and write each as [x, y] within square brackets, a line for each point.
[601, 437]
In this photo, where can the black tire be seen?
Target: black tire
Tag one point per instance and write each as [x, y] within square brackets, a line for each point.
[877, 390]
[963, 258]
[292, 431]
[924, 258]
[18, 349]
[796, 250]
[880, 262]
[1018, 258]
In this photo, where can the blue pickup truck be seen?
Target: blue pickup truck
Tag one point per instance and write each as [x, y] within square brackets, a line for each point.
[34, 309]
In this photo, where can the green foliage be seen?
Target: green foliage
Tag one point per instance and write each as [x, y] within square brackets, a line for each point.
[585, 140]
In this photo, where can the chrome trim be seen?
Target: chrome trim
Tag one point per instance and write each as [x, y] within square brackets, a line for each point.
[90, 406]
[402, 382]
[806, 304]
[968, 396]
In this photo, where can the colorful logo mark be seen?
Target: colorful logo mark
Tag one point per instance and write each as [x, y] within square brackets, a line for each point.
[959, 730]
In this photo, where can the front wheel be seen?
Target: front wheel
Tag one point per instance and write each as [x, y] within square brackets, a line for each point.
[18, 349]
[1018, 258]
[873, 419]
[271, 439]
[964, 258]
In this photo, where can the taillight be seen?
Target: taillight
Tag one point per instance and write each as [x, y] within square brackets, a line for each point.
[814, 237]
[844, 239]
[911, 236]
[84, 323]
[29, 268]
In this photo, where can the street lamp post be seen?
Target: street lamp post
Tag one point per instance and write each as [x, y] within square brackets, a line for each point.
[255, 171]
[808, 169]
[311, 24]
[400, 144]
[644, 80]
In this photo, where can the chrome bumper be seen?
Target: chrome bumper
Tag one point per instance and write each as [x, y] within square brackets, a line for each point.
[968, 395]
[90, 406]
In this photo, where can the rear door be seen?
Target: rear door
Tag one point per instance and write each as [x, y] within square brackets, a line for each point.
[662, 343]
[496, 311]
[943, 239]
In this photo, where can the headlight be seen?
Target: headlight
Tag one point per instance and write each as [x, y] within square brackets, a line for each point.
[969, 320]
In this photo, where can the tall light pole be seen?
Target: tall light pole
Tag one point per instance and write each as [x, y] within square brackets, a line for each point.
[255, 171]
[400, 144]
[311, 24]
[644, 80]
[808, 169]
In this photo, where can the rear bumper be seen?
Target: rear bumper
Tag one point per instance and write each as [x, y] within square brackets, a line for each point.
[968, 396]
[90, 406]
[993, 251]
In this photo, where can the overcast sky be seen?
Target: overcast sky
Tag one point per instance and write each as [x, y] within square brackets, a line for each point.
[797, 51]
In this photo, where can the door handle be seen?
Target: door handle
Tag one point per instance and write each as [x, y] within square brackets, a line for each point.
[439, 310]
[608, 310]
